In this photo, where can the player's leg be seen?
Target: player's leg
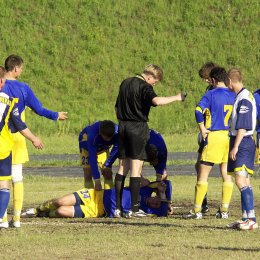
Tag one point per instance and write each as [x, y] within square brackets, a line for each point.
[5, 177]
[227, 190]
[62, 212]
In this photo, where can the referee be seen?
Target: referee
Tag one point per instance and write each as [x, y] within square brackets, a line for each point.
[135, 98]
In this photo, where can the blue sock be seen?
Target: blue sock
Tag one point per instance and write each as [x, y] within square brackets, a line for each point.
[243, 207]
[248, 201]
[4, 200]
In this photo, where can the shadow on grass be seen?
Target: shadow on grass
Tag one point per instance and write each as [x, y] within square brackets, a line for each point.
[230, 248]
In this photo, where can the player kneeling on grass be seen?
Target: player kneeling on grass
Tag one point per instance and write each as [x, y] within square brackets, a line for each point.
[90, 203]
[94, 143]
[242, 149]
[10, 120]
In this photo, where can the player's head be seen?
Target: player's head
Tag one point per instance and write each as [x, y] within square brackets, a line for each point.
[205, 70]
[14, 63]
[235, 78]
[152, 153]
[2, 77]
[153, 202]
[107, 129]
[153, 74]
[218, 75]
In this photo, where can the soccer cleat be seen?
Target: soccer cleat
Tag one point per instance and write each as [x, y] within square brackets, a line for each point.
[192, 215]
[248, 225]
[15, 224]
[29, 213]
[138, 214]
[4, 224]
[204, 209]
[235, 224]
[117, 213]
[222, 214]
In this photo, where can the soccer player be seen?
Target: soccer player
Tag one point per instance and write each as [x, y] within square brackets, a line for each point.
[136, 97]
[157, 154]
[20, 90]
[9, 120]
[217, 105]
[90, 203]
[204, 73]
[94, 143]
[257, 101]
[242, 148]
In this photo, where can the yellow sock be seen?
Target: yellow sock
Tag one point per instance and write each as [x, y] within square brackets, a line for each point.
[89, 184]
[17, 200]
[108, 184]
[47, 206]
[201, 189]
[227, 189]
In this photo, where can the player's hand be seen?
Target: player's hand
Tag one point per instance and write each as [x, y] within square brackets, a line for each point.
[233, 153]
[37, 143]
[170, 209]
[62, 115]
[107, 173]
[205, 133]
[183, 95]
[98, 185]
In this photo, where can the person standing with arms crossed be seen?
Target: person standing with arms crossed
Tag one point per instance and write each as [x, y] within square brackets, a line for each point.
[20, 90]
[135, 98]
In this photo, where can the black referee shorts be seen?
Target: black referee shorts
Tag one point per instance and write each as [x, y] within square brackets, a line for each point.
[132, 140]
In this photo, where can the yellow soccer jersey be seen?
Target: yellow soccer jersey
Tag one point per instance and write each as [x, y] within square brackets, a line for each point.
[92, 200]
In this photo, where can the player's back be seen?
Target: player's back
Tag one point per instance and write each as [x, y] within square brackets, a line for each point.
[219, 109]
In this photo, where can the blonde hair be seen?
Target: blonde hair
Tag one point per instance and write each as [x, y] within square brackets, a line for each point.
[235, 75]
[154, 71]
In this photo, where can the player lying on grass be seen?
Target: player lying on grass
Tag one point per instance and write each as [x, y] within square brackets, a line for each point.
[90, 203]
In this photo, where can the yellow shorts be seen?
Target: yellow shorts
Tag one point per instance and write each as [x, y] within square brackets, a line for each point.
[216, 148]
[19, 151]
[101, 158]
[92, 202]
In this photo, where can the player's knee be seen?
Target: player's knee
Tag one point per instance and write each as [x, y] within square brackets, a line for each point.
[17, 173]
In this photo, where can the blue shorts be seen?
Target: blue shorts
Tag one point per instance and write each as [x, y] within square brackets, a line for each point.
[245, 156]
[78, 213]
[6, 168]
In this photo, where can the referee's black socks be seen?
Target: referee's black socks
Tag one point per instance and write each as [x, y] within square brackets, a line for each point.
[119, 187]
[135, 189]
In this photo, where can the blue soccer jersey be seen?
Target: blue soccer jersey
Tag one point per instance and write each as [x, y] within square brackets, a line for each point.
[24, 93]
[215, 108]
[91, 140]
[145, 192]
[157, 140]
[244, 113]
[257, 101]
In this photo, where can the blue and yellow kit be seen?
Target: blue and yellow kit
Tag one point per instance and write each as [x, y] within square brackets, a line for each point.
[94, 149]
[26, 98]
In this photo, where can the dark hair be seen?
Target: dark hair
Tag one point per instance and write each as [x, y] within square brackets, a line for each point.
[107, 128]
[206, 69]
[219, 74]
[12, 61]
[2, 72]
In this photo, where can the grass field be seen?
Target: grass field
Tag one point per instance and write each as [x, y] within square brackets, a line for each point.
[149, 238]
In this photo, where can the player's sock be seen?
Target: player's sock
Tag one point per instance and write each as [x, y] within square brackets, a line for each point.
[243, 207]
[201, 189]
[135, 189]
[108, 184]
[89, 184]
[18, 191]
[4, 200]
[119, 187]
[47, 206]
[227, 190]
[248, 200]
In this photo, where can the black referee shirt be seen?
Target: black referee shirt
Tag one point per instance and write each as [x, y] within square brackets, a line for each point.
[134, 100]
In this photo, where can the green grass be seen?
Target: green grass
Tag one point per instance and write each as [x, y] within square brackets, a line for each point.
[77, 53]
[150, 238]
